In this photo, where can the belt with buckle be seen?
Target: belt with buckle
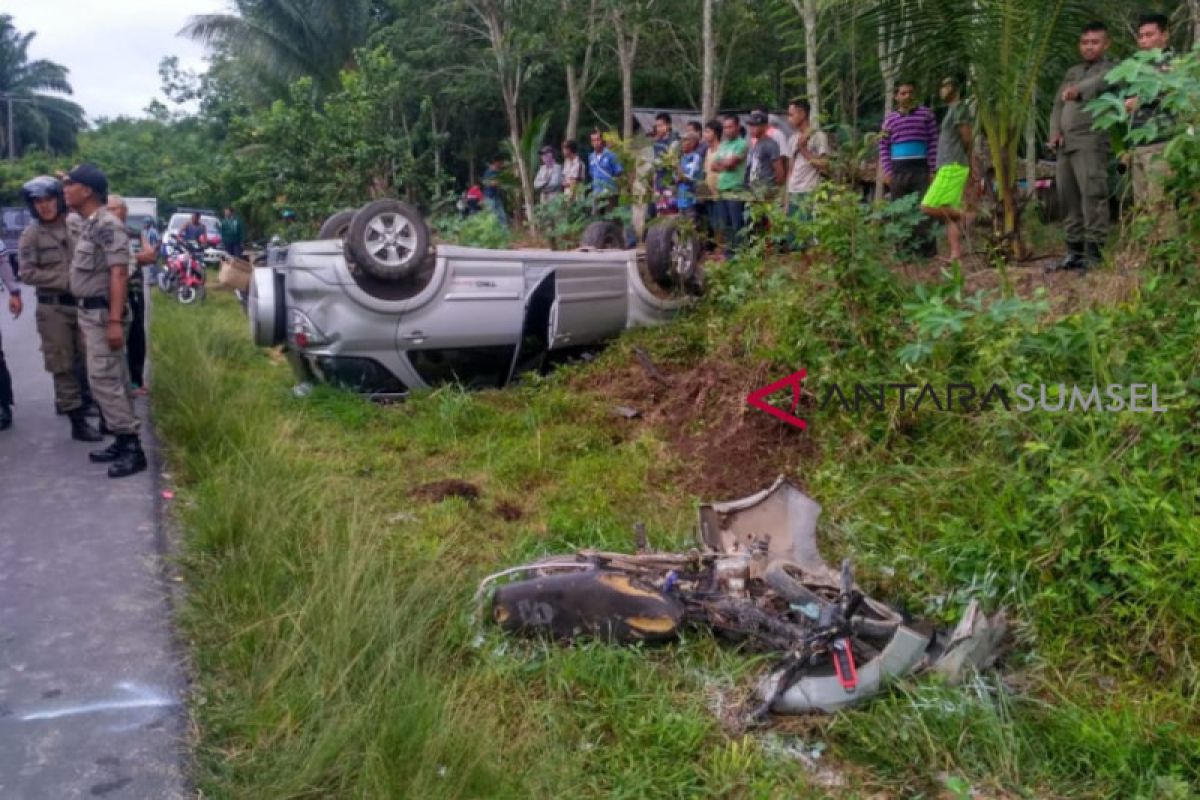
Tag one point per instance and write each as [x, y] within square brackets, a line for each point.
[56, 298]
[92, 303]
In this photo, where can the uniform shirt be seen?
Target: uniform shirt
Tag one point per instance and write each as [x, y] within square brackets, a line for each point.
[1070, 118]
[731, 180]
[44, 255]
[803, 176]
[1150, 109]
[103, 244]
[950, 149]
[6, 274]
[604, 167]
[909, 138]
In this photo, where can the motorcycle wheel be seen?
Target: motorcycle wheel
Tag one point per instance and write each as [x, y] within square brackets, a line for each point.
[187, 294]
[168, 281]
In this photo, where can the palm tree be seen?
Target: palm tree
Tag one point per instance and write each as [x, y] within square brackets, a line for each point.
[279, 41]
[1013, 52]
[45, 120]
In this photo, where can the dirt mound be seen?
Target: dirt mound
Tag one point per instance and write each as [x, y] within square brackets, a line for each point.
[725, 448]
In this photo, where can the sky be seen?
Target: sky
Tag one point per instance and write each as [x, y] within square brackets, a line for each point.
[112, 47]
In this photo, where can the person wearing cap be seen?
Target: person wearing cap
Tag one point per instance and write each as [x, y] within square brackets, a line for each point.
[100, 283]
[764, 160]
[9, 281]
[44, 255]
[549, 179]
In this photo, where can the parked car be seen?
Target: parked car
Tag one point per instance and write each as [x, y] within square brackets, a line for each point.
[211, 225]
[373, 307]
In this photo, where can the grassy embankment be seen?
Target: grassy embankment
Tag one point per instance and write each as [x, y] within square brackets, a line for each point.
[328, 609]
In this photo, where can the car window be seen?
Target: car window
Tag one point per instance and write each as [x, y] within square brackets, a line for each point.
[472, 367]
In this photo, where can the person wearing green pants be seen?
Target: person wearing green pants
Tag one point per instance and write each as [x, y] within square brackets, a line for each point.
[1082, 174]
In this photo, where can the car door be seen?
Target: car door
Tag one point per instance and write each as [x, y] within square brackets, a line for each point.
[591, 298]
[469, 333]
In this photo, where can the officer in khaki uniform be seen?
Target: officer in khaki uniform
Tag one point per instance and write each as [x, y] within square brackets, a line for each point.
[1082, 176]
[44, 257]
[100, 283]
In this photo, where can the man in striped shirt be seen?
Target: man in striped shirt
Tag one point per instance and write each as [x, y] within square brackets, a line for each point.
[908, 153]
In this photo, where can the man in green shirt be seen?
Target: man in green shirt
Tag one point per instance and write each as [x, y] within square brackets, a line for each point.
[233, 235]
[730, 166]
[955, 166]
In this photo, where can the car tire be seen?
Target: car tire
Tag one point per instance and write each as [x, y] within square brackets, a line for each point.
[337, 225]
[388, 240]
[673, 254]
[603, 235]
[266, 310]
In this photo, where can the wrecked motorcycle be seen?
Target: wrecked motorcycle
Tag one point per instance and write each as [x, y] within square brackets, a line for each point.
[758, 579]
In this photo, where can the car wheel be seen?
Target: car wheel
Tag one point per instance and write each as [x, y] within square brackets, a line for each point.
[673, 254]
[603, 235]
[336, 226]
[388, 239]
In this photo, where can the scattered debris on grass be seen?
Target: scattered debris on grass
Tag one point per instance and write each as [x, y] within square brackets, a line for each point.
[757, 578]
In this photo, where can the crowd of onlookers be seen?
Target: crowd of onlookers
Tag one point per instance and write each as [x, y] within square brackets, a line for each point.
[710, 172]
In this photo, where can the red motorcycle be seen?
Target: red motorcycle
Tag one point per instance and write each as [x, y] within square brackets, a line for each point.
[183, 275]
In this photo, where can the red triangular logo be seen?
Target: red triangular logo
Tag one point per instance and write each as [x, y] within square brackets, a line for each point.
[758, 398]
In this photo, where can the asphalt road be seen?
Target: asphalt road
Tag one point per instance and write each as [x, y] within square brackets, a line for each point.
[91, 681]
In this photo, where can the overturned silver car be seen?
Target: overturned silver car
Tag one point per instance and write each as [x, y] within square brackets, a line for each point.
[374, 307]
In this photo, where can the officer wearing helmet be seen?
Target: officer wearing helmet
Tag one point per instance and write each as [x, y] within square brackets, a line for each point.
[100, 283]
[44, 256]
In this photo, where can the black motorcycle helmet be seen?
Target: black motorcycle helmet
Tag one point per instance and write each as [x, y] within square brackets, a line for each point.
[43, 186]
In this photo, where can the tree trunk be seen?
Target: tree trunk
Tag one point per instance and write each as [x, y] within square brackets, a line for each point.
[579, 78]
[1031, 152]
[1194, 7]
[889, 91]
[574, 103]
[708, 89]
[808, 14]
[627, 44]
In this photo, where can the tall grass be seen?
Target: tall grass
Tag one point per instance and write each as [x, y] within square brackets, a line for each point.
[329, 610]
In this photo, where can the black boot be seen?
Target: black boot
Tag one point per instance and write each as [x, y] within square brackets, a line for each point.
[81, 431]
[108, 454]
[104, 429]
[1092, 256]
[131, 460]
[5, 417]
[1073, 260]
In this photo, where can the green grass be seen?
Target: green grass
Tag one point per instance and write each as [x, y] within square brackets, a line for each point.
[329, 612]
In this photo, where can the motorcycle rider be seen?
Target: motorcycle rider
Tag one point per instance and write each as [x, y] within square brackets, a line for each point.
[44, 253]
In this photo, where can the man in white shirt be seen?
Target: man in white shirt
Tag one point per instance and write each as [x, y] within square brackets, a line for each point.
[807, 153]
